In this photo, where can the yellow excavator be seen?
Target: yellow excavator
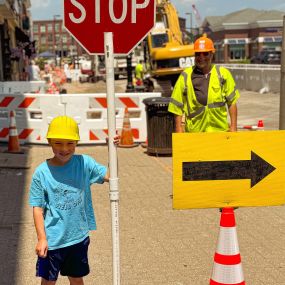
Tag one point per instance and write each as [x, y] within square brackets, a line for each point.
[167, 56]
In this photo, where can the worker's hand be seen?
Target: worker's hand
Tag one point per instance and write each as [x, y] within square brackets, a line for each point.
[41, 248]
[233, 129]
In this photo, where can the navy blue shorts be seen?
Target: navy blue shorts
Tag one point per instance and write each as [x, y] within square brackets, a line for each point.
[70, 261]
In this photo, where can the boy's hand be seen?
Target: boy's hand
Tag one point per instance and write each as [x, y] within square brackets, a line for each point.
[41, 248]
[116, 139]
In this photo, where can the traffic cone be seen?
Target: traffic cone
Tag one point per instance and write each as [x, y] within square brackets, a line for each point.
[260, 124]
[13, 143]
[227, 267]
[127, 139]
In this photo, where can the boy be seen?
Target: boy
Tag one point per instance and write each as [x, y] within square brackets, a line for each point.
[62, 206]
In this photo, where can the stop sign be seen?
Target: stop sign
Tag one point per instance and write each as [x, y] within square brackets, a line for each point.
[128, 20]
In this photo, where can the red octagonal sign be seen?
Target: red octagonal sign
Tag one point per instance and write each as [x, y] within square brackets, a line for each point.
[128, 20]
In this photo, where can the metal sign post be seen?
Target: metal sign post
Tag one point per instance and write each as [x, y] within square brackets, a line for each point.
[104, 23]
[114, 185]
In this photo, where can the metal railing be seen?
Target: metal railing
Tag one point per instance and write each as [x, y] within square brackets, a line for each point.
[261, 78]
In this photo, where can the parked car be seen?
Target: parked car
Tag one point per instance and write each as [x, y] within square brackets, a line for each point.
[267, 57]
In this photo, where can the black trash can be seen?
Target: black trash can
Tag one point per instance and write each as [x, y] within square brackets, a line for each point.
[160, 125]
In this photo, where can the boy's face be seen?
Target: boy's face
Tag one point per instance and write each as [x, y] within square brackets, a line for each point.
[62, 149]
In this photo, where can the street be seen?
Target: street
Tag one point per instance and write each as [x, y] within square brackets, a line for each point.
[159, 245]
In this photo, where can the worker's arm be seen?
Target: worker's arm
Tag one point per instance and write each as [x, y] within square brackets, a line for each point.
[178, 124]
[42, 245]
[233, 117]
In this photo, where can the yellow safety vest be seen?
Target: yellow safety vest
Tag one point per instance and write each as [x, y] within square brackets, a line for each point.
[212, 117]
[139, 71]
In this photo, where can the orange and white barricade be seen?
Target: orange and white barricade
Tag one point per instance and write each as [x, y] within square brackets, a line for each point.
[35, 111]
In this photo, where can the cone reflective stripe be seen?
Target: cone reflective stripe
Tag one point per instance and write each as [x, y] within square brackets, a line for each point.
[13, 143]
[127, 139]
[227, 269]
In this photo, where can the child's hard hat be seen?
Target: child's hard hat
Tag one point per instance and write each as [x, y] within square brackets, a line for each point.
[63, 127]
[203, 44]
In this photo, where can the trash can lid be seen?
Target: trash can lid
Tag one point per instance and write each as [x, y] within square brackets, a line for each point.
[161, 101]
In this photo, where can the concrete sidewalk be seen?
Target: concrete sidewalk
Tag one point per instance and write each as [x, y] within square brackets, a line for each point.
[159, 246]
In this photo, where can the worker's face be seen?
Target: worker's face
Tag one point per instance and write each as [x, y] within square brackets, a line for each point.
[203, 60]
[62, 149]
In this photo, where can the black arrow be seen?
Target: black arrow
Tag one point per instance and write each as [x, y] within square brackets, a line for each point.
[255, 169]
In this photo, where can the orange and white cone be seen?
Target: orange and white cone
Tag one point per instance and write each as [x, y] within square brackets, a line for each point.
[126, 138]
[227, 267]
[260, 125]
[13, 143]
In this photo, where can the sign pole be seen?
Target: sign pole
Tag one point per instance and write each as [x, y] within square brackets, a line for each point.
[282, 83]
[113, 167]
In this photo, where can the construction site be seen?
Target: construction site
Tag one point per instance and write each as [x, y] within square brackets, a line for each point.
[156, 224]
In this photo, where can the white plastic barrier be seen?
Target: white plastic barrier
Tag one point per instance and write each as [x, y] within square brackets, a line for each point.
[11, 87]
[35, 111]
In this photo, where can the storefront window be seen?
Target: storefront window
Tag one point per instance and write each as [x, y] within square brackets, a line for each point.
[237, 52]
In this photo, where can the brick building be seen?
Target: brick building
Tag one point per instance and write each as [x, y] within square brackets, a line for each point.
[15, 45]
[242, 34]
[50, 35]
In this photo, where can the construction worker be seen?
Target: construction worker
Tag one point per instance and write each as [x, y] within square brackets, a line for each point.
[204, 94]
[139, 73]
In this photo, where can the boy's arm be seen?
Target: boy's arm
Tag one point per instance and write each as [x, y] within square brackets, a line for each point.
[116, 142]
[42, 245]
[106, 178]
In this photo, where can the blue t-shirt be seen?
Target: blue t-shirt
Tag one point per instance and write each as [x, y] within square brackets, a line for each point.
[64, 194]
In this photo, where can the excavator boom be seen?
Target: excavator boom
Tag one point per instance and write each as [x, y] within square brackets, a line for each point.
[168, 55]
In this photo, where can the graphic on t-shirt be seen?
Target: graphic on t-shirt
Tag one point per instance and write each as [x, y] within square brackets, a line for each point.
[67, 197]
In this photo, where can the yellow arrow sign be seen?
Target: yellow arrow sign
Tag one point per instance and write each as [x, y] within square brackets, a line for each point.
[216, 170]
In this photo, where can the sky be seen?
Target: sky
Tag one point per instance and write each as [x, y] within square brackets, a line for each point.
[45, 10]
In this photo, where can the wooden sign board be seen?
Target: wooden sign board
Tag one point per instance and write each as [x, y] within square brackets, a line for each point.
[228, 169]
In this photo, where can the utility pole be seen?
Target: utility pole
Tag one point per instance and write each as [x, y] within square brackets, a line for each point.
[190, 14]
[54, 36]
[282, 83]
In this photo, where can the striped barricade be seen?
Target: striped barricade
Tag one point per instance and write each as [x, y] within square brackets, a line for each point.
[35, 111]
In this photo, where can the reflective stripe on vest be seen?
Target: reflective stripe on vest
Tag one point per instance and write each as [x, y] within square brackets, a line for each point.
[231, 96]
[202, 109]
[212, 105]
[176, 103]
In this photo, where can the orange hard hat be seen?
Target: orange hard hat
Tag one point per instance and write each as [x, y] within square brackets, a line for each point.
[203, 44]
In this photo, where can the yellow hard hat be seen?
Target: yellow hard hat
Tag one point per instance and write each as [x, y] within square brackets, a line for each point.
[63, 127]
[203, 44]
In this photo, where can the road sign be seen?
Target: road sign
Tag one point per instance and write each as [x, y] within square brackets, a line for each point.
[228, 169]
[128, 20]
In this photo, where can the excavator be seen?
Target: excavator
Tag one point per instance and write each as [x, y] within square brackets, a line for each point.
[167, 55]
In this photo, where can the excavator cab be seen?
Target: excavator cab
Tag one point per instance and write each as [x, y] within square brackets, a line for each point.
[167, 54]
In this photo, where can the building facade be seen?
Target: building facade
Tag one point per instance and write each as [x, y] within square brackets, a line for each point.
[15, 45]
[243, 34]
[51, 36]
